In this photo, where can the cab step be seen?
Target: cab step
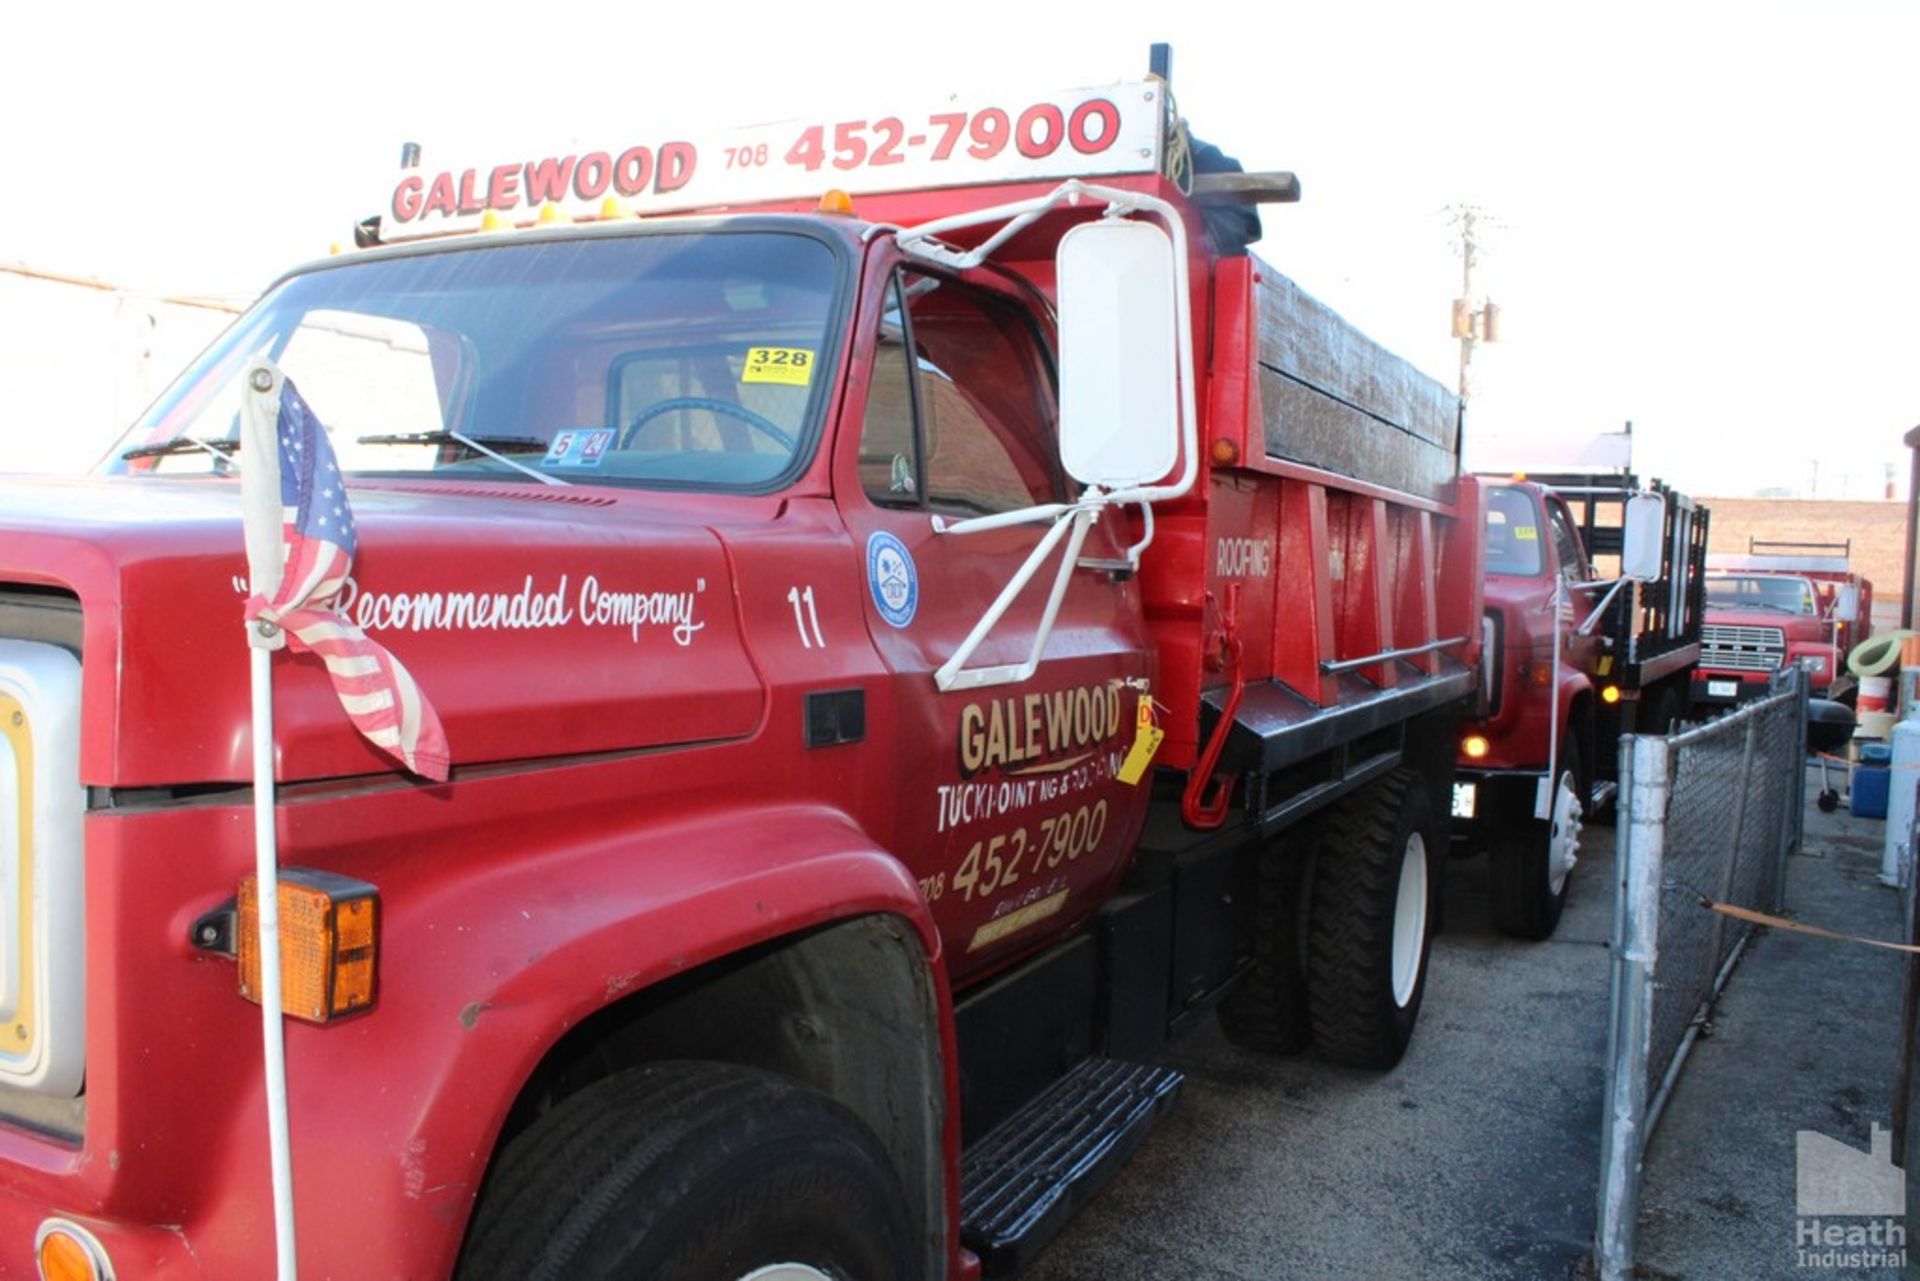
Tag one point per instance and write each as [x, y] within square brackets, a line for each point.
[1022, 1180]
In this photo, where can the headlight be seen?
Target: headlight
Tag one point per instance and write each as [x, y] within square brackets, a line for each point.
[42, 866]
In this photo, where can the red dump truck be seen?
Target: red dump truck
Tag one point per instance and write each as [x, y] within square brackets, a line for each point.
[1778, 604]
[903, 658]
[1574, 658]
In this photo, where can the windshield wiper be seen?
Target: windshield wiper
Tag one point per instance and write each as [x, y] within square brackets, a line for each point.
[494, 447]
[181, 445]
[473, 444]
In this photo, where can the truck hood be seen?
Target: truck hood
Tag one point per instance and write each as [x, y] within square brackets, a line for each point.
[540, 622]
[1801, 627]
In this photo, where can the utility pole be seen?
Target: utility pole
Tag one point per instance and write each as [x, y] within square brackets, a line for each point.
[1475, 320]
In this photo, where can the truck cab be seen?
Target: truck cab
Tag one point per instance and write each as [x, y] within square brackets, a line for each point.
[1572, 660]
[1761, 620]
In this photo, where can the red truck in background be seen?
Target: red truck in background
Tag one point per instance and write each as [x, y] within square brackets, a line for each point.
[900, 666]
[1571, 662]
[1782, 603]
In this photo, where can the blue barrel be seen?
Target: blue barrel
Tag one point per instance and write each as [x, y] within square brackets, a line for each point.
[1870, 779]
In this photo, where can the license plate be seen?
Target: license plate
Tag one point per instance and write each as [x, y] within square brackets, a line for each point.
[1723, 689]
[1464, 797]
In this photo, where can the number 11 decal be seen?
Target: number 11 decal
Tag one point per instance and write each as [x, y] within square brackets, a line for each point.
[795, 597]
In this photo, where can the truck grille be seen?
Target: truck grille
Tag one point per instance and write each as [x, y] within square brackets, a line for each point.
[1742, 649]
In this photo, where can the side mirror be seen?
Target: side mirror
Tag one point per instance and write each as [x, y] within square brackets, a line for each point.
[1846, 605]
[1642, 535]
[1119, 415]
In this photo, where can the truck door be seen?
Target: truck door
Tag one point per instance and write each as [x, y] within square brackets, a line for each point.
[1570, 559]
[1006, 807]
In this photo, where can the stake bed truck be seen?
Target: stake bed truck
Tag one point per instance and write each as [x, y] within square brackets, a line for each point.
[1573, 660]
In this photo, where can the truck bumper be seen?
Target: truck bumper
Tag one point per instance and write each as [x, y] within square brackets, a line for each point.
[1727, 689]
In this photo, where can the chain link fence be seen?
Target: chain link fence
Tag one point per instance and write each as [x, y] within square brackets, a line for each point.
[1706, 816]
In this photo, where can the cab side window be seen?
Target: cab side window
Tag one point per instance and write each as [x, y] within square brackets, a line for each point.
[1566, 545]
[889, 438]
[981, 435]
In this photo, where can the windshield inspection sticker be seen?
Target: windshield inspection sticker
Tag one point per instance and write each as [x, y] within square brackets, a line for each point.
[892, 578]
[791, 366]
[578, 448]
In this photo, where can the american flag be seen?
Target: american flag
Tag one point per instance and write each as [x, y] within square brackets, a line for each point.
[290, 480]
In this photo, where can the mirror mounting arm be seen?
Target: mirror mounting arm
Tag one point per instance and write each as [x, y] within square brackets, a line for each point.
[1071, 521]
[922, 241]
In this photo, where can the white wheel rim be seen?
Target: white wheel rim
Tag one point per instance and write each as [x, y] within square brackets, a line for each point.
[1563, 834]
[1410, 919]
[787, 1272]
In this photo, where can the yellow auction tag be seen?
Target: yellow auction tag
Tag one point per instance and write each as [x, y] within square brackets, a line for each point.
[791, 366]
[1146, 741]
[1526, 533]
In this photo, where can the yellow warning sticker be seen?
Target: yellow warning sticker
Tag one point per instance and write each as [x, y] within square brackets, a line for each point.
[789, 366]
[1526, 533]
[1146, 741]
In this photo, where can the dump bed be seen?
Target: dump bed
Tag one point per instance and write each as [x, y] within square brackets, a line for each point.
[1335, 399]
[1322, 589]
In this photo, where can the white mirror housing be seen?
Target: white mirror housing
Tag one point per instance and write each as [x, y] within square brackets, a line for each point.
[1846, 603]
[1119, 381]
[1642, 536]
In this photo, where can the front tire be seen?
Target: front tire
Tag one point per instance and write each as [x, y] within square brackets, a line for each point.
[692, 1172]
[1531, 860]
[1370, 922]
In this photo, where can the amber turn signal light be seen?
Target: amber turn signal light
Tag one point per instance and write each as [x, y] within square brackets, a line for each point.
[1475, 746]
[1610, 694]
[329, 940]
[68, 1252]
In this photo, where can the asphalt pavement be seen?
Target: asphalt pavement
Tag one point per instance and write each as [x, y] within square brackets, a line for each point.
[1478, 1156]
[1475, 1158]
[1804, 1038]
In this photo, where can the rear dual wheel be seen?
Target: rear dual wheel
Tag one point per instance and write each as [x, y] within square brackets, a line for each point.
[1370, 921]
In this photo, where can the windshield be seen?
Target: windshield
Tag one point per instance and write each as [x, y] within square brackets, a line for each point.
[1513, 532]
[1736, 591]
[685, 360]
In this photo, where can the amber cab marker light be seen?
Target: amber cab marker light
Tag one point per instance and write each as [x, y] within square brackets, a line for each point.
[836, 201]
[329, 941]
[68, 1252]
[1475, 746]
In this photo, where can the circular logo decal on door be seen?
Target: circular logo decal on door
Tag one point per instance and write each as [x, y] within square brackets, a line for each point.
[892, 579]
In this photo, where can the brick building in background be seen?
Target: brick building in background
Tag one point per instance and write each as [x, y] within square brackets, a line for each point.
[1877, 529]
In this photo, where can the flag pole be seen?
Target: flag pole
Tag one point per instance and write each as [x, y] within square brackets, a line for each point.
[262, 635]
[262, 522]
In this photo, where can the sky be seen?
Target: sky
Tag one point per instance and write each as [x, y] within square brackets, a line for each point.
[1701, 217]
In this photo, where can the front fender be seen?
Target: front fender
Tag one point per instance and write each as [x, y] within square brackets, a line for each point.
[1574, 685]
[482, 974]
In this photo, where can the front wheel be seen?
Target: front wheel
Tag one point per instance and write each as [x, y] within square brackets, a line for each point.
[692, 1172]
[1531, 860]
[1370, 919]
